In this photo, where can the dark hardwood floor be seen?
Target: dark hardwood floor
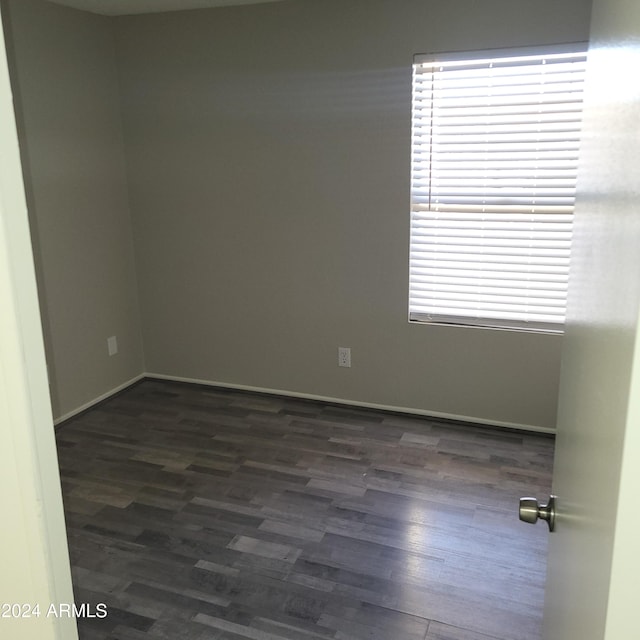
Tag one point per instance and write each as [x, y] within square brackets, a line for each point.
[197, 513]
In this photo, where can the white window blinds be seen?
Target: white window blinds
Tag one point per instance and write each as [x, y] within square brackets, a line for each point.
[494, 159]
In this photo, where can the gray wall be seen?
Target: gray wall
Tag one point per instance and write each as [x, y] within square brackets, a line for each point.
[267, 154]
[66, 89]
[268, 151]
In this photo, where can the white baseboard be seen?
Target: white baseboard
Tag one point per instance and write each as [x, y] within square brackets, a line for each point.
[307, 396]
[356, 403]
[95, 401]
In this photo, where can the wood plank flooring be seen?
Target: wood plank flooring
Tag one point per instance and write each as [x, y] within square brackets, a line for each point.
[197, 513]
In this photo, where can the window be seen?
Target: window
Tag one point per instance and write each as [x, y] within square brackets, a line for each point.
[494, 160]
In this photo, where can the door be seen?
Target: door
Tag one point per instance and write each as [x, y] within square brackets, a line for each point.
[593, 553]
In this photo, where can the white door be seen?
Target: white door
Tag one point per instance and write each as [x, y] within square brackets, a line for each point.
[594, 567]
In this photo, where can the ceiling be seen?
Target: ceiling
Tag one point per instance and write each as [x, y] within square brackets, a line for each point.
[128, 7]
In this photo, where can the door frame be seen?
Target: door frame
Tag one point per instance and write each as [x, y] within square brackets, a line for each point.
[36, 567]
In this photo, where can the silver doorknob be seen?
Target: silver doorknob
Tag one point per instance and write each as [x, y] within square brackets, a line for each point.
[531, 511]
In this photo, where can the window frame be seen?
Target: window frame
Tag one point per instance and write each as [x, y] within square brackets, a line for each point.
[474, 58]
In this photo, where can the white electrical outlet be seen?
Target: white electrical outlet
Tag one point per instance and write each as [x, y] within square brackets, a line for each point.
[344, 356]
[112, 345]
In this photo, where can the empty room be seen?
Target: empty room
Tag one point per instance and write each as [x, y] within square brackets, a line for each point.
[297, 385]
